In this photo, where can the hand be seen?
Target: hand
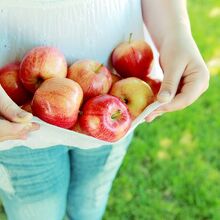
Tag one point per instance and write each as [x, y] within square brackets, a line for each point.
[14, 122]
[180, 59]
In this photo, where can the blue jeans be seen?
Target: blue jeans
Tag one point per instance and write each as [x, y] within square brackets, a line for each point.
[46, 184]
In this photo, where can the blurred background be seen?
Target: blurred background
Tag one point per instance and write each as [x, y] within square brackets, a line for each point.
[172, 169]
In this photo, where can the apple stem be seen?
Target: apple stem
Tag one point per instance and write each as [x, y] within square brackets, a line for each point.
[125, 101]
[130, 37]
[99, 67]
[116, 115]
[39, 82]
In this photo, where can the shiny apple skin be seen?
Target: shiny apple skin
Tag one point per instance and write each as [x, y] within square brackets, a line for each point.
[27, 106]
[10, 82]
[77, 128]
[93, 82]
[115, 78]
[57, 101]
[42, 63]
[96, 118]
[135, 93]
[155, 84]
[132, 59]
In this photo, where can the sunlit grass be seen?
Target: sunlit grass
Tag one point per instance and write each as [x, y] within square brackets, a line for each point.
[215, 12]
[172, 169]
[214, 66]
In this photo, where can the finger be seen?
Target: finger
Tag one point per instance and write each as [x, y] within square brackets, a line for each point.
[10, 110]
[152, 116]
[26, 129]
[11, 131]
[173, 72]
[34, 127]
[15, 137]
[23, 137]
[189, 93]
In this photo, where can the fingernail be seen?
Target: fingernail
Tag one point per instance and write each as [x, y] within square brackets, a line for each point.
[160, 114]
[22, 114]
[23, 137]
[150, 119]
[35, 127]
[154, 117]
[164, 96]
[28, 126]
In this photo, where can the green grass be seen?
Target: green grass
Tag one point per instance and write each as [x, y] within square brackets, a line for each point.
[172, 169]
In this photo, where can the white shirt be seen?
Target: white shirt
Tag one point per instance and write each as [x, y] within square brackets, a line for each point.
[79, 28]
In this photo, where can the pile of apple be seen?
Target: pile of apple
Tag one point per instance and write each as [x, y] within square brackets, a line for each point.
[85, 97]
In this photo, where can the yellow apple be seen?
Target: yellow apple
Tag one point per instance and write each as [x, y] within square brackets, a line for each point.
[135, 93]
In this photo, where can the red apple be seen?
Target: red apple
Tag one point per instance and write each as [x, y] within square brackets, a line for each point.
[94, 78]
[57, 102]
[77, 128]
[42, 63]
[27, 106]
[132, 58]
[115, 78]
[105, 117]
[135, 93]
[11, 83]
[154, 84]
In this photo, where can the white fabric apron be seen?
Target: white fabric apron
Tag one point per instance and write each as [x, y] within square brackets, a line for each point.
[80, 29]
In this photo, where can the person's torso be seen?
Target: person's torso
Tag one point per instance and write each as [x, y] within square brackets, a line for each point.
[79, 28]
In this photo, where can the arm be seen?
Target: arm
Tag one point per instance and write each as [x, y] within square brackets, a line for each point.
[164, 17]
[168, 24]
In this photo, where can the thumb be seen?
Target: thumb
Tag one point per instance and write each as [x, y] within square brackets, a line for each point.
[11, 111]
[169, 86]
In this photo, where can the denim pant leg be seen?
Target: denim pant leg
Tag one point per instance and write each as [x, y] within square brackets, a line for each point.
[92, 174]
[34, 183]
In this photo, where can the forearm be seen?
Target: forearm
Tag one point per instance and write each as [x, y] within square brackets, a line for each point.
[165, 17]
